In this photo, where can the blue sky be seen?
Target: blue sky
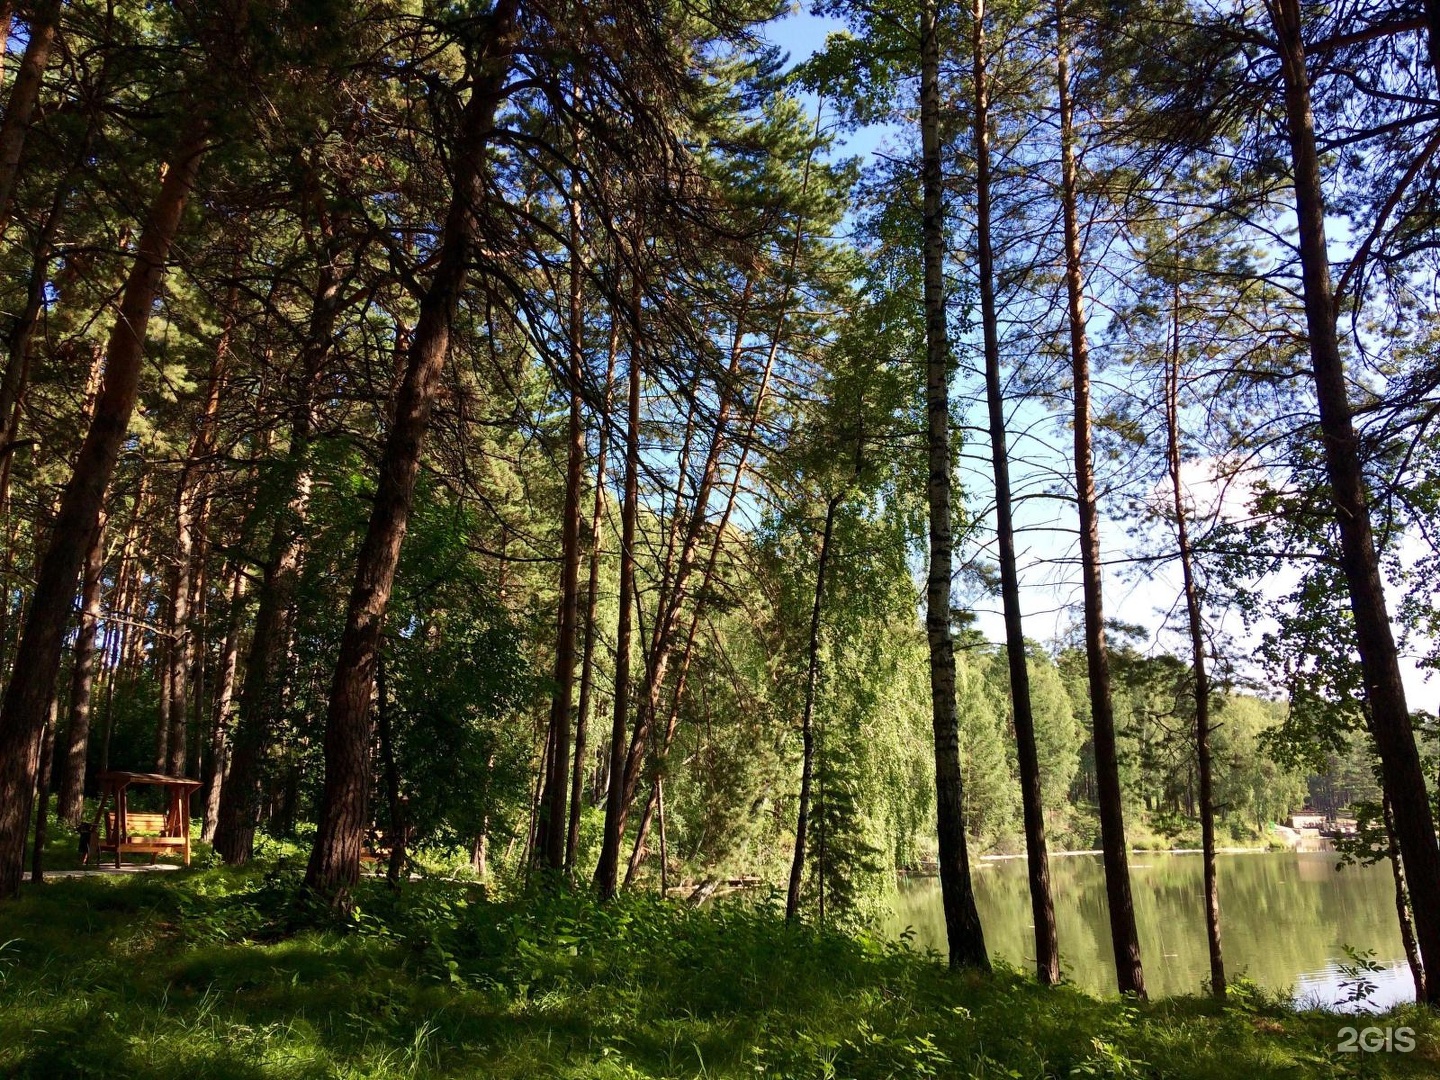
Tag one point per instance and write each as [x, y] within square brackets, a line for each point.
[1048, 554]
[801, 33]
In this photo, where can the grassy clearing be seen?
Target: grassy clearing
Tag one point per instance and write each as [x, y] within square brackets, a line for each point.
[219, 974]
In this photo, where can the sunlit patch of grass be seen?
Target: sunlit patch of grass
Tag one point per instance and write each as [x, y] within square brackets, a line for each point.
[213, 973]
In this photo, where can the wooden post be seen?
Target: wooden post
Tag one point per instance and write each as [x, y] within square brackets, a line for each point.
[121, 829]
[97, 836]
[180, 815]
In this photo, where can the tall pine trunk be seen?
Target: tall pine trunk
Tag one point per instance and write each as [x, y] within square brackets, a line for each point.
[555, 822]
[7, 18]
[42, 795]
[37, 663]
[340, 829]
[70, 804]
[1042, 907]
[1403, 910]
[217, 760]
[122, 610]
[608, 869]
[962, 919]
[673, 590]
[24, 96]
[592, 605]
[1197, 656]
[399, 831]
[1124, 938]
[807, 717]
[1404, 780]
[190, 513]
[262, 689]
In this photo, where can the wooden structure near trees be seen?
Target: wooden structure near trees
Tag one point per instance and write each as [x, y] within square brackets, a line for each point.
[141, 831]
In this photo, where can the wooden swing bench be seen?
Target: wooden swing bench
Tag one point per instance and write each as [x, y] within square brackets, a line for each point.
[376, 852]
[144, 832]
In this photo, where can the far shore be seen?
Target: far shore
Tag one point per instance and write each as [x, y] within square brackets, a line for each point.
[930, 871]
[1149, 851]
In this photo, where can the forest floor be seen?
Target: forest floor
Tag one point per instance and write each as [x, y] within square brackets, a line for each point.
[232, 974]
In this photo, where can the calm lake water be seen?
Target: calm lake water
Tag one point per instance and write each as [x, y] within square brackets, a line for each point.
[1284, 919]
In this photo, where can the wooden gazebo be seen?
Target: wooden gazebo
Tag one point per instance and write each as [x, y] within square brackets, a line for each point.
[126, 830]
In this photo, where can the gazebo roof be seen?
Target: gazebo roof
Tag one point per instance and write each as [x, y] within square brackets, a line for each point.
[148, 778]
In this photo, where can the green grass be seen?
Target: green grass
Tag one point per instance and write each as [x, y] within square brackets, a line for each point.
[219, 974]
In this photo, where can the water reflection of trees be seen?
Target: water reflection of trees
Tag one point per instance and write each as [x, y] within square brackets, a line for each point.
[1284, 915]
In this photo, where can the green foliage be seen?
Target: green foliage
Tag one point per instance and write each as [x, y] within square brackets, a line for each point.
[227, 975]
[1360, 972]
[456, 673]
[1248, 780]
[987, 758]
